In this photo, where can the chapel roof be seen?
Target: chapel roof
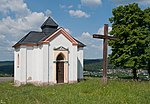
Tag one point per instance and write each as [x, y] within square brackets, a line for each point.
[79, 43]
[49, 23]
[48, 28]
[32, 37]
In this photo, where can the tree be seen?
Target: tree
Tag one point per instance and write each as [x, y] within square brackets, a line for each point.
[130, 27]
[147, 22]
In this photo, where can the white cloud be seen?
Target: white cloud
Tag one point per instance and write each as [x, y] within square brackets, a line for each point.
[94, 47]
[19, 26]
[48, 12]
[85, 37]
[101, 30]
[62, 6]
[66, 29]
[91, 2]
[78, 13]
[97, 46]
[14, 28]
[16, 6]
[70, 6]
[65, 6]
[2, 37]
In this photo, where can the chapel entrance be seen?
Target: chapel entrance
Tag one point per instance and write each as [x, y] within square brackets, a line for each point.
[60, 69]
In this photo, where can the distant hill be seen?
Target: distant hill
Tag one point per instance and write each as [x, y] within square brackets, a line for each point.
[92, 64]
[95, 64]
[6, 67]
[91, 61]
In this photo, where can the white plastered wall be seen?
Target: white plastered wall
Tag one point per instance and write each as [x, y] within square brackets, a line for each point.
[80, 63]
[20, 68]
[17, 71]
[37, 64]
[33, 64]
[61, 40]
[45, 64]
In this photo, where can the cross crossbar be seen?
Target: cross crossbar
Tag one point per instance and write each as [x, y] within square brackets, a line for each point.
[103, 37]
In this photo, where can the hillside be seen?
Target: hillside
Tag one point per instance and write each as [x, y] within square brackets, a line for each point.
[7, 67]
[95, 64]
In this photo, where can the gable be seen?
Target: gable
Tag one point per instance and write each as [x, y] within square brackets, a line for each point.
[64, 33]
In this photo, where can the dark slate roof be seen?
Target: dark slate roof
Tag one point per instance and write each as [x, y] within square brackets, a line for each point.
[48, 28]
[80, 43]
[49, 23]
[52, 31]
[32, 37]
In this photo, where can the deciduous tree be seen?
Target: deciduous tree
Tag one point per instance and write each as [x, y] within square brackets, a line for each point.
[130, 27]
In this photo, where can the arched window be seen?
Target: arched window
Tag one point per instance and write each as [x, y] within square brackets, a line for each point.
[60, 57]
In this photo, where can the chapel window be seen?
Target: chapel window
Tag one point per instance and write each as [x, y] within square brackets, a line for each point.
[18, 61]
[60, 57]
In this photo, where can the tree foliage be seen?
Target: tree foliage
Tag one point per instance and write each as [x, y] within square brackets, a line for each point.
[131, 26]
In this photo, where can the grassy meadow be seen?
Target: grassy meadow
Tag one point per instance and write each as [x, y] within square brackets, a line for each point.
[89, 91]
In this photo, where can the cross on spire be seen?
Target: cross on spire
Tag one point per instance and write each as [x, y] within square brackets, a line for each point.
[105, 37]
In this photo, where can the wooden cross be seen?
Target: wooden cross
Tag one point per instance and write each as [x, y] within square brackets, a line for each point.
[105, 42]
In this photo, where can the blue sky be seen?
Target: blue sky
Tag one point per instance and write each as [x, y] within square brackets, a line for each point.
[81, 18]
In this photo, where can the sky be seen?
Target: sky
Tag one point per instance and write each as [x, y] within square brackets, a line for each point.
[80, 18]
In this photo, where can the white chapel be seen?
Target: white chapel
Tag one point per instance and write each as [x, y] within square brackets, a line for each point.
[48, 57]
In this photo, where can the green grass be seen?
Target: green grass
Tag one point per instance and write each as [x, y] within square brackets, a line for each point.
[90, 91]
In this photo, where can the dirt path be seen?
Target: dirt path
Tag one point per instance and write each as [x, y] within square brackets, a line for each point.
[3, 79]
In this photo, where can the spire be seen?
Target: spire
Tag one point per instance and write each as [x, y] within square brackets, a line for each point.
[49, 25]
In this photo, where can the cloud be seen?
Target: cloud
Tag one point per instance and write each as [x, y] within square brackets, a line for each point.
[85, 38]
[141, 2]
[18, 26]
[66, 29]
[70, 6]
[91, 2]
[94, 47]
[16, 6]
[48, 12]
[62, 6]
[78, 14]
[65, 6]
[101, 30]
[17, 20]
[97, 46]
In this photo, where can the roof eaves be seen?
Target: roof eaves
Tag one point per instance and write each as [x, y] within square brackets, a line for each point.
[80, 43]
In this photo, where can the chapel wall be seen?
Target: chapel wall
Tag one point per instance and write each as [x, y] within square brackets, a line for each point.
[80, 63]
[61, 40]
[73, 64]
[17, 71]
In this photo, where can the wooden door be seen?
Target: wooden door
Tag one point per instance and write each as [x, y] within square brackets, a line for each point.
[60, 72]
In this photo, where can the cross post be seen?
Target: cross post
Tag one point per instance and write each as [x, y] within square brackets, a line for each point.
[105, 37]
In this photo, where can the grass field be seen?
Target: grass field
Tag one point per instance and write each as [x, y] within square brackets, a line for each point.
[90, 91]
